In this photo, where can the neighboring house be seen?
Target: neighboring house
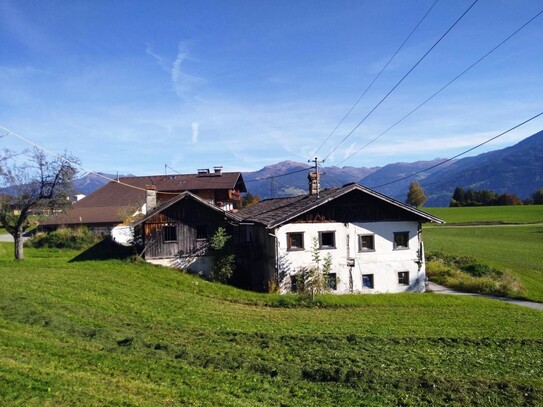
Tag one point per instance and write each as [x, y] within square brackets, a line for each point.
[374, 241]
[177, 232]
[118, 202]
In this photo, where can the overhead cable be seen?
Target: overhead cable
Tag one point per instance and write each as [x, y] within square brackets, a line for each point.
[443, 88]
[375, 79]
[401, 80]
[460, 154]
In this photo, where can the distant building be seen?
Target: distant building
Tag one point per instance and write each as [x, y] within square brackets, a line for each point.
[117, 203]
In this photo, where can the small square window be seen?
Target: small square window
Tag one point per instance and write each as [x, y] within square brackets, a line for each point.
[331, 280]
[201, 232]
[170, 233]
[327, 240]
[295, 241]
[401, 240]
[366, 243]
[367, 280]
[403, 277]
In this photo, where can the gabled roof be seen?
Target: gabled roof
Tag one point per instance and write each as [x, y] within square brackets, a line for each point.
[180, 197]
[107, 204]
[275, 212]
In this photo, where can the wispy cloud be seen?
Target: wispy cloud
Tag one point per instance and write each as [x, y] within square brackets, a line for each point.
[195, 131]
[160, 60]
[182, 81]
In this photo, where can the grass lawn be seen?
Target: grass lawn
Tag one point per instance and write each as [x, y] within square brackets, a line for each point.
[515, 248]
[490, 214]
[112, 332]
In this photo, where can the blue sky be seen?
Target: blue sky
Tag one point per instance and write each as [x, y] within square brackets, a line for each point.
[130, 86]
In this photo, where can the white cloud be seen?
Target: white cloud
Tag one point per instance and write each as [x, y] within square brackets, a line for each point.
[160, 60]
[183, 82]
[195, 131]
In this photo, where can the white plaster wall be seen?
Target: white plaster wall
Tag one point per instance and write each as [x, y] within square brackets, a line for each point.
[384, 263]
[124, 235]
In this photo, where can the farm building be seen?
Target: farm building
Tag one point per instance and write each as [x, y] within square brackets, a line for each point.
[106, 209]
[374, 242]
[177, 232]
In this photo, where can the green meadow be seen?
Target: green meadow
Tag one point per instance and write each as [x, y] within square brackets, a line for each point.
[490, 214]
[508, 238]
[115, 332]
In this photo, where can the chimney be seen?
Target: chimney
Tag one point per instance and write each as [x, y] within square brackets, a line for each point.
[150, 198]
[314, 179]
[203, 171]
[218, 170]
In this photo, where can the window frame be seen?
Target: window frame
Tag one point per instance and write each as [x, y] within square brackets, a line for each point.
[401, 247]
[370, 276]
[199, 228]
[325, 247]
[292, 248]
[402, 276]
[331, 280]
[361, 248]
[166, 234]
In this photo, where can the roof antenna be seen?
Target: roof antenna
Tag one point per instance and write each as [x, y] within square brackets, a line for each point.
[117, 176]
[165, 169]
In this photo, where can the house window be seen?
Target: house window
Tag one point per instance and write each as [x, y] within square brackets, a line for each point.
[366, 243]
[170, 233]
[327, 240]
[401, 240]
[367, 280]
[331, 280]
[403, 277]
[295, 241]
[201, 232]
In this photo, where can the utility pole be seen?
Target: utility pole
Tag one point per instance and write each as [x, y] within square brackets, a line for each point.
[317, 180]
[165, 169]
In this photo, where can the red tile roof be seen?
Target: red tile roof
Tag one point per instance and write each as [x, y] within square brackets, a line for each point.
[110, 203]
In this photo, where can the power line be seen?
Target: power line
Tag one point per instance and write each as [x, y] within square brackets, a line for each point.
[460, 154]
[401, 80]
[443, 88]
[376, 77]
[75, 164]
[277, 176]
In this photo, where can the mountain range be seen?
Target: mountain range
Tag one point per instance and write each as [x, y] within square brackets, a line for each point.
[516, 170]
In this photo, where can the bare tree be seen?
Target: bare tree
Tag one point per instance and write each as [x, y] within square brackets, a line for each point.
[32, 183]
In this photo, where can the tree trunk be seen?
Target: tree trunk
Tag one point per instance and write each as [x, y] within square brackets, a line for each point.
[19, 240]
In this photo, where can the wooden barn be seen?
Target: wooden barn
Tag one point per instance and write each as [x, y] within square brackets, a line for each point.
[177, 232]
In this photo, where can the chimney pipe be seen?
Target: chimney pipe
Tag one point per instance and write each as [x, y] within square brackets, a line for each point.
[150, 198]
[314, 183]
[218, 170]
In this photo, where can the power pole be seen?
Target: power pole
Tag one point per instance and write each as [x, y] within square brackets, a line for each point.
[272, 187]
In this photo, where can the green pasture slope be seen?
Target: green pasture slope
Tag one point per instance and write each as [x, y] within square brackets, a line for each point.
[517, 247]
[113, 332]
[490, 214]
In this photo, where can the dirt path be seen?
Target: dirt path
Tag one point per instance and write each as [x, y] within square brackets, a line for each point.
[439, 289]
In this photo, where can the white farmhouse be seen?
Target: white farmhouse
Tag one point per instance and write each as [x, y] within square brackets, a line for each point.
[374, 241]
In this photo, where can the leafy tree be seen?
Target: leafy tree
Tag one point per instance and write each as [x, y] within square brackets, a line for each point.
[537, 197]
[508, 199]
[415, 195]
[314, 276]
[224, 264]
[33, 183]
[249, 199]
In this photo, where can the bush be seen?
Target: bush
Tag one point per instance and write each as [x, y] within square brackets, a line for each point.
[466, 274]
[64, 238]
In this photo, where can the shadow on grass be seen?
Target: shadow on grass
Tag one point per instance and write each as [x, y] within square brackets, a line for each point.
[106, 249]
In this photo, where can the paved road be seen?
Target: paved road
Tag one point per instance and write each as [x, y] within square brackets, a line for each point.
[439, 289]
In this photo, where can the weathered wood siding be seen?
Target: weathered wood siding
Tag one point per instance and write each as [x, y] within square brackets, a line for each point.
[188, 217]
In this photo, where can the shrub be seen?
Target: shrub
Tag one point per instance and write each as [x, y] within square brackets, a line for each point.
[65, 238]
[466, 274]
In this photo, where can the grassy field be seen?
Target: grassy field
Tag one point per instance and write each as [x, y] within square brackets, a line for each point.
[490, 214]
[113, 332]
[517, 249]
